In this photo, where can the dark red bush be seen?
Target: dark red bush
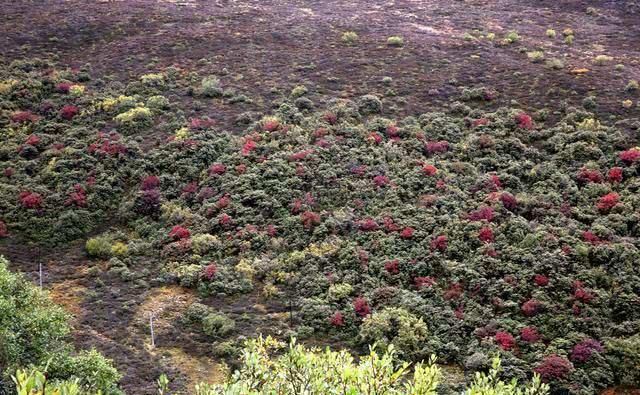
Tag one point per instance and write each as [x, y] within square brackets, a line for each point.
[586, 176]
[529, 334]
[390, 225]
[505, 340]
[454, 291]
[531, 307]
[590, 237]
[337, 320]
[209, 271]
[78, 197]
[30, 200]
[179, 232]
[217, 169]
[24, 117]
[554, 367]
[374, 138]
[583, 351]
[310, 219]
[486, 235]
[541, 280]
[8, 172]
[479, 122]
[424, 281]
[368, 225]
[68, 112]
[392, 267]
[150, 182]
[509, 201]
[33, 140]
[361, 306]
[436, 147]
[629, 156]
[429, 170]
[481, 214]
[608, 201]
[439, 243]
[381, 181]
[224, 219]
[148, 202]
[248, 146]
[407, 233]
[615, 174]
[63, 87]
[524, 121]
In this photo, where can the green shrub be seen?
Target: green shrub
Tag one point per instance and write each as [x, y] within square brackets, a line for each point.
[396, 326]
[395, 41]
[601, 60]
[623, 355]
[210, 87]
[349, 38]
[99, 247]
[512, 37]
[551, 33]
[535, 56]
[217, 325]
[632, 86]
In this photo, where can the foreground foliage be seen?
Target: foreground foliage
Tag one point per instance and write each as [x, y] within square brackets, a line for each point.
[33, 332]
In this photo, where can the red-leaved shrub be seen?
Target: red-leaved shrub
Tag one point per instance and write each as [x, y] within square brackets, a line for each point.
[24, 117]
[583, 351]
[615, 174]
[30, 200]
[436, 147]
[483, 213]
[361, 306]
[337, 320]
[392, 267]
[540, 280]
[505, 340]
[424, 281]
[608, 201]
[509, 201]
[586, 176]
[310, 219]
[68, 112]
[381, 181]
[529, 334]
[407, 233]
[524, 121]
[629, 156]
[150, 182]
[217, 169]
[209, 271]
[531, 307]
[439, 243]
[179, 232]
[486, 235]
[78, 197]
[368, 225]
[429, 170]
[554, 367]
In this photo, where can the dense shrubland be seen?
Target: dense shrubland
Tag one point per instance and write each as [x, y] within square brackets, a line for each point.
[461, 234]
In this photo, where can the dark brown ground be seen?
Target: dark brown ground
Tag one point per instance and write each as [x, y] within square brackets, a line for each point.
[267, 44]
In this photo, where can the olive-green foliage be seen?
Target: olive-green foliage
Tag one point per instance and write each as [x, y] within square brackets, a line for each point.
[217, 325]
[99, 247]
[623, 355]
[396, 326]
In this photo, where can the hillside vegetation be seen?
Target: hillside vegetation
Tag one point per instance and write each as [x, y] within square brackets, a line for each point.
[463, 234]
